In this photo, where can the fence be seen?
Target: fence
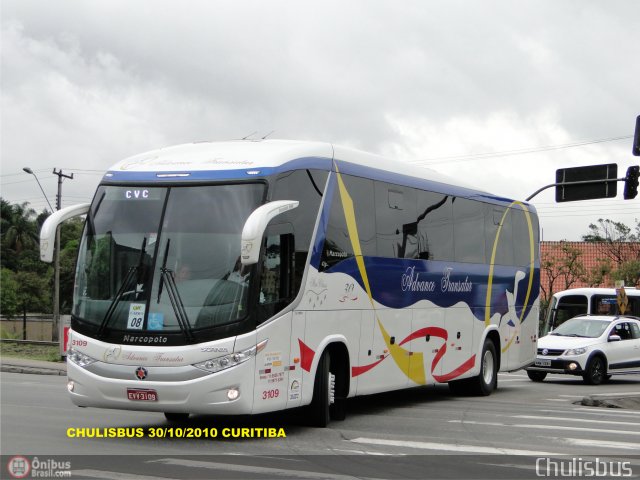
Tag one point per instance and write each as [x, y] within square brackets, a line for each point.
[29, 327]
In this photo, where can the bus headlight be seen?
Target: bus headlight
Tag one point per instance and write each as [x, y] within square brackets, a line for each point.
[79, 358]
[575, 351]
[222, 363]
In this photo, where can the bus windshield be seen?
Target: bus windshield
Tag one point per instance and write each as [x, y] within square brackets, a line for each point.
[164, 260]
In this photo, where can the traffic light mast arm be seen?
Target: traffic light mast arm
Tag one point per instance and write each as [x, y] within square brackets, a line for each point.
[582, 182]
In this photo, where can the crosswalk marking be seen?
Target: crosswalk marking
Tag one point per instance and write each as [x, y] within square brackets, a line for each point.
[588, 442]
[449, 447]
[582, 420]
[547, 427]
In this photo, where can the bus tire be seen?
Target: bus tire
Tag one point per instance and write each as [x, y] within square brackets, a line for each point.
[319, 409]
[536, 376]
[176, 417]
[487, 381]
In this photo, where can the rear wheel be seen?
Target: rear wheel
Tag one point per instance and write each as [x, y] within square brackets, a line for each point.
[596, 371]
[536, 376]
[487, 381]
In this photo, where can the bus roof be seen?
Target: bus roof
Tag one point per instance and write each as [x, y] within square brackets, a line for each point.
[243, 159]
[588, 291]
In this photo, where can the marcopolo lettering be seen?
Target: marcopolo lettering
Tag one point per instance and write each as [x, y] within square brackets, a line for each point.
[137, 339]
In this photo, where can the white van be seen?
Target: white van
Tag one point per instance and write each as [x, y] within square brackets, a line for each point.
[588, 301]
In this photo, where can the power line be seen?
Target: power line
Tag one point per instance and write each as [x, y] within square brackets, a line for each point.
[521, 151]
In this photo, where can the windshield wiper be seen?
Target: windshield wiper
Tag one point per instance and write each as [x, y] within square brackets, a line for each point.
[123, 289]
[167, 278]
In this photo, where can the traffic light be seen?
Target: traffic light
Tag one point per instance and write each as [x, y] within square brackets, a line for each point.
[631, 182]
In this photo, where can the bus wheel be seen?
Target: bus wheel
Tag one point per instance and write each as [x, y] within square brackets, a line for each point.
[323, 393]
[536, 376]
[176, 417]
[487, 380]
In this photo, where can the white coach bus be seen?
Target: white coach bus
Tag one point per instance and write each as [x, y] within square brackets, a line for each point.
[253, 276]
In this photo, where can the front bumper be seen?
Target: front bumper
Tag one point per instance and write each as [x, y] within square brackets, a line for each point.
[203, 395]
[562, 365]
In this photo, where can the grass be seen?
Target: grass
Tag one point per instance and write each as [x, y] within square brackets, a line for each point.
[49, 353]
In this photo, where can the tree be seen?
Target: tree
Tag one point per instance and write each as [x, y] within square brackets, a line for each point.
[20, 231]
[563, 269]
[619, 247]
[8, 293]
[34, 294]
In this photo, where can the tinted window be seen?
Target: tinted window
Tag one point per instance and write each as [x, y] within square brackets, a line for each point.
[396, 221]
[522, 237]
[435, 226]
[358, 206]
[468, 232]
[307, 187]
[497, 223]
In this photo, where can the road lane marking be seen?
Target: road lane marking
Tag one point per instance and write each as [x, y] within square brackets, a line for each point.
[449, 447]
[592, 411]
[585, 442]
[546, 427]
[563, 419]
[611, 394]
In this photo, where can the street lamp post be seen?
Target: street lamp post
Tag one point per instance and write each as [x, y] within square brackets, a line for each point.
[56, 260]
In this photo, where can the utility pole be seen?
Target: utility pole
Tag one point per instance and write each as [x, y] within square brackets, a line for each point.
[56, 261]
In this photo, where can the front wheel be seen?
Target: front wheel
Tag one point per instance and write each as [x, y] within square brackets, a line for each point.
[323, 394]
[596, 371]
[536, 376]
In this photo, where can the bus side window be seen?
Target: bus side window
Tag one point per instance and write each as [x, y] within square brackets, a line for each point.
[435, 226]
[338, 242]
[276, 278]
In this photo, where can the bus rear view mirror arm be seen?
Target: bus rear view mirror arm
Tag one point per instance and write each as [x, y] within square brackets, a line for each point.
[255, 226]
[48, 231]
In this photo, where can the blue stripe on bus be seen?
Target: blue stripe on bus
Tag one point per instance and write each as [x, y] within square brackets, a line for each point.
[401, 283]
[322, 163]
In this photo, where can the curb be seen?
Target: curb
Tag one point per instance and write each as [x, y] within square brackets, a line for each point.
[35, 367]
[631, 402]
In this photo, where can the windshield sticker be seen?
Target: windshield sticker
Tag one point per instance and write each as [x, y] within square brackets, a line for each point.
[136, 316]
[155, 321]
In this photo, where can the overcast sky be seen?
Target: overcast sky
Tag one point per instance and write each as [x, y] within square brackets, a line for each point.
[534, 85]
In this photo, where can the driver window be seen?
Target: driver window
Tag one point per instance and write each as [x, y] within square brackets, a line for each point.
[276, 275]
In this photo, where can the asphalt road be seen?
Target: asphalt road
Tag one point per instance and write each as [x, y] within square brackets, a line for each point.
[418, 433]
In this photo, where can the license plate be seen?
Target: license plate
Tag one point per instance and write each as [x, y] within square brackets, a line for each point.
[142, 395]
[543, 363]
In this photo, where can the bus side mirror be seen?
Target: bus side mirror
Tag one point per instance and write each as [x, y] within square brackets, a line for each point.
[255, 226]
[50, 226]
